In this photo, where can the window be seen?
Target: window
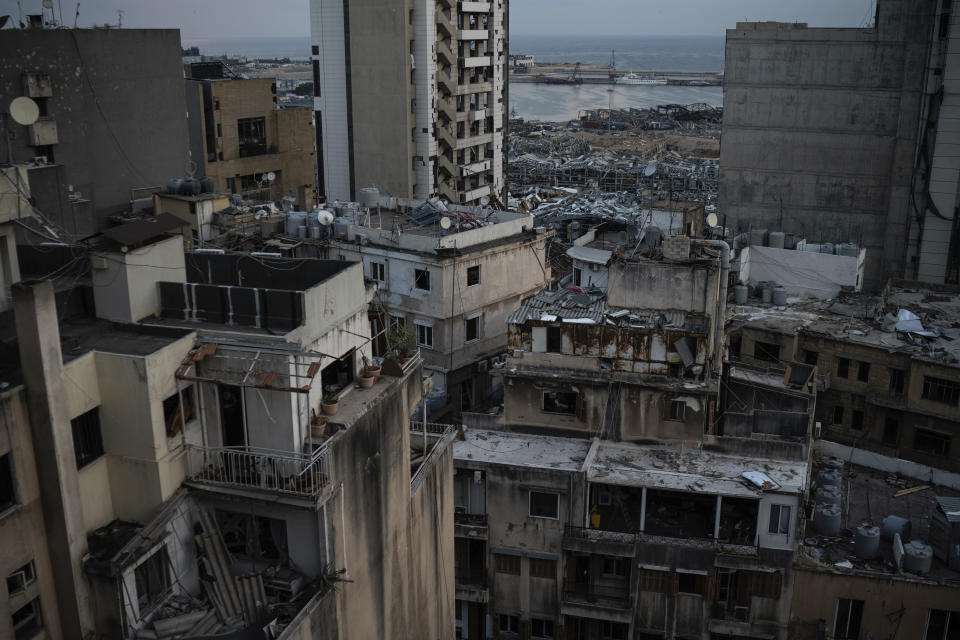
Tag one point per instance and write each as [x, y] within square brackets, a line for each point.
[397, 321]
[509, 624]
[779, 519]
[540, 628]
[473, 275]
[424, 334]
[506, 563]
[543, 568]
[811, 357]
[691, 583]
[940, 390]
[843, 367]
[152, 579]
[87, 443]
[849, 615]
[27, 621]
[891, 431]
[856, 420]
[942, 625]
[378, 271]
[421, 279]
[766, 351]
[8, 496]
[564, 402]
[897, 377]
[473, 327]
[613, 631]
[171, 411]
[252, 134]
[838, 415]
[931, 442]
[577, 276]
[678, 410]
[863, 372]
[544, 505]
[255, 537]
[554, 340]
[19, 579]
[615, 566]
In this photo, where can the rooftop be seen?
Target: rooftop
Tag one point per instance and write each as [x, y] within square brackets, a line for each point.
[521, 450]
[684, 469]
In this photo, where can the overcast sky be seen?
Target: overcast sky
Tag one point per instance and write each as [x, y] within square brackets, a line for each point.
[250, 18]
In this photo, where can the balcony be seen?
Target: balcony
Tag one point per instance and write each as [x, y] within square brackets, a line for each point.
[613, 543]
[889, 400]
[596, 596]
[472, 586]
[473, 34]
[476, 167]
[295, 475]
[470, 525]
[475, 7]
[477, 61]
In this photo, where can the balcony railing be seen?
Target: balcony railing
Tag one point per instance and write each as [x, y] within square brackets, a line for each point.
[472, 580]
[296, 474]
[615, 597]
[598, 535]
[470, 519]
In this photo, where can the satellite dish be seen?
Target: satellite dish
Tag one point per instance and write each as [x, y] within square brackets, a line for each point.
[485, 200]
[271, 176]
[324, 217]
[650, 169]
[47, 4]
[445, 222]
[712, 220]
[24, 111]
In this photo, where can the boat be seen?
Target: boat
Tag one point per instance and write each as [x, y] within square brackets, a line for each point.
[632, 78]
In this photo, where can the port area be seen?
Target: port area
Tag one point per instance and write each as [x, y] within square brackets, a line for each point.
[558, 72]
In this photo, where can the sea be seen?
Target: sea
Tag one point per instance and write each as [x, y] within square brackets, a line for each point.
[556, 102]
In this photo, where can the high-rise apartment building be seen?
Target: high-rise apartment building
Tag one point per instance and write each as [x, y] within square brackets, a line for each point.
[410, 98]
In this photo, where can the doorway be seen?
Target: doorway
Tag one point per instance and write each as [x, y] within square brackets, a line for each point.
[231, 415]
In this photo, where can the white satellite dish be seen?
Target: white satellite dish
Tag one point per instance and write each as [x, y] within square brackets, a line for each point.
[324, 217]
[712, 220]
[271, 176]
[445, 222]
[485, 200]
[24, 111]
[650, 169]
[47, 4]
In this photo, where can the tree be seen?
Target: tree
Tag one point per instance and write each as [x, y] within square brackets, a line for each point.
[304, 89]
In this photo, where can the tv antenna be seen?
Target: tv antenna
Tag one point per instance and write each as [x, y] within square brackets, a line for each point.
[119, 18]
[24, 111]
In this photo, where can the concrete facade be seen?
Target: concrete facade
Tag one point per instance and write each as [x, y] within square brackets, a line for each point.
[112, 117]
[820, 130]
[410, 99]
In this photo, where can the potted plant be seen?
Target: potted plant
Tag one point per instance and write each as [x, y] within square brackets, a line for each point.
[318, 424]
[366, 379]
[402, 343]
[370, 368]
[330, 403]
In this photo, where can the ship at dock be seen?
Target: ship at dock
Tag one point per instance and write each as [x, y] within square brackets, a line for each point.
[634, 79]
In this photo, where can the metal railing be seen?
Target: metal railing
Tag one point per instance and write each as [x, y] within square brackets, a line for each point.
[470, 519]
[610, 596]
[433, 428]
[297, 474]
[594, 535]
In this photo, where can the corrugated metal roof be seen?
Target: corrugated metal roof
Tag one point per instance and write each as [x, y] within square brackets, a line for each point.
[587, 254]
[950, 507]
[561, 305]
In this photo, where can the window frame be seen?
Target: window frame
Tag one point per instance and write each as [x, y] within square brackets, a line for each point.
[378, 271]
[620, 567]
[173, 417]
[25, 574]
[863, 371]
[946, 439]
[546, 629]
[763, 351]
[542, 568]
[531, 514]
[425, 326]
[576, 403]
[846, 635]
[418, 280]
[856, 419]
[7, 473]
[507, 563]
[780, 509]
[248, 144]
[20, 629]
[678, 416]
[898, 379]
[509, 618]
[159, 555]
[941, 391]
[479, 277]
[843, 363]
[837, 418]
[87, 437]
[478, 318]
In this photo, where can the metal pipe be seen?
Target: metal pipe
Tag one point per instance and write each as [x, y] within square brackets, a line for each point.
[721, 294]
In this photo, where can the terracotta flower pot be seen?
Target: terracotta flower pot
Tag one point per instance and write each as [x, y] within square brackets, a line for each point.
[330, 409]
[372, 370]
[366, 381]
[318, 428]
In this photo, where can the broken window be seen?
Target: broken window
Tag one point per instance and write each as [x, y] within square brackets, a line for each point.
[540, 628]
[8, 496]
[615, 566]
[838, 415]
[766, 351]
[543, 568]
[940, 390]
[152, 579]
[87, 442]
[897, 377]
[891, 431]
[564, 402]
[506, 563]
[27, 621]
[678, 410]
[942, 625]
[173, 418]
[252, 134]
[811, 357]
[779, 519]
[656, 581]
[931, 442]
[509, 624]
[863, 372]
[738, 521]
[255, 537]
[554, 340]
[473, 327]
[378, 271]
[19, 579]
[421, 279]
[473, 275]
[692, 583]
[577, 276]
[843, 367]
[678, 514]
[544, 505]
[849, 616]
[613, 631]
[856, 420]
[424, 334]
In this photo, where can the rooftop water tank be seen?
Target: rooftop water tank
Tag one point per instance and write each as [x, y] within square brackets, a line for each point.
[828, 494]
[779, 296]
[652, 236]
[758, 237]
[173, 185]
[826, 519]
[369, 197]
[917, 557]
[866, 541]
[847, 249]
[295, 219]
[766, 294]
[740, 293]
[895, 524]
[789, 241]
[776, 239]
[206, 185]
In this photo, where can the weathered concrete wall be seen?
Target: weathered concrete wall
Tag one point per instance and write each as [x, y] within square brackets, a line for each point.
[118, 102]
[819, 129]
[126, 291]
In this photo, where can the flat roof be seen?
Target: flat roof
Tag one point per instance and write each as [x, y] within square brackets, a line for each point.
[521, 450]
[683, 469]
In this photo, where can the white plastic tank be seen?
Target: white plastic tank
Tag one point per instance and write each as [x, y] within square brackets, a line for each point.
[895, 524]
[369, 197]
[827, 247]
[847, 249]
[766, 294]
[917, 557]
[315, 231]
[779, 296]
[826, 519]
[758, 237]
[740, 294]
[789, 241]
[776, 239]
[866, 541]
[295, 219]
[828, 476]
[828, 494]
[302, 231]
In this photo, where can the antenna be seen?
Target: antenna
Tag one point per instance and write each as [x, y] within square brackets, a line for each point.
[24, 111]
[119, 18]
[76, 15]
[445, 222]
[650, 169]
